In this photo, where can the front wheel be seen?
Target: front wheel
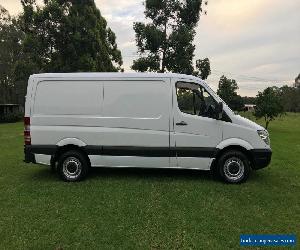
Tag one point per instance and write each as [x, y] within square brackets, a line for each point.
[234, 166]
[72, 166]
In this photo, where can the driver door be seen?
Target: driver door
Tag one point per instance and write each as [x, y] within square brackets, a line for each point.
[196, 132]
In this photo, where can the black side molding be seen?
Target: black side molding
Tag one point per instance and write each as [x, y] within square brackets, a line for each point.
[205, 152]
[43, 149]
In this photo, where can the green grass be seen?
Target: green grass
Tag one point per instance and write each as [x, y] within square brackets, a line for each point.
[146, 209]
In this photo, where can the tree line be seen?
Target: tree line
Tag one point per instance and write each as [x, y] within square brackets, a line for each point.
[73, 36]
[288, 96]
[269, 104]
[60, 36]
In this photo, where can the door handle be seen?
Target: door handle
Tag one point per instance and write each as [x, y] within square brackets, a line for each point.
[182, 123]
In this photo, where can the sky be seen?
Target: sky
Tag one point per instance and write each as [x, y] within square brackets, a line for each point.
[255, 42]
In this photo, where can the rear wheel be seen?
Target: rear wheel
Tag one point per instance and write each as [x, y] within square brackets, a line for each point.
[234, 166]
[72, 166]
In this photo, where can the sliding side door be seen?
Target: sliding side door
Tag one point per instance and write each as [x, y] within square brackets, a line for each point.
[136, 122]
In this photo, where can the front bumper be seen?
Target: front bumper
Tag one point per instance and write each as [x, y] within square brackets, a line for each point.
[261, 158]
[28, 155]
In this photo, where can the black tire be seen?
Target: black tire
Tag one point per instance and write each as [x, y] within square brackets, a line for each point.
[233, 166]
[72, 166]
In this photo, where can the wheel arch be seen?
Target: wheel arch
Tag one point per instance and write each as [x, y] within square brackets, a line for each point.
[233, 144]
[65, 148]
[71, 141]
[234, 147]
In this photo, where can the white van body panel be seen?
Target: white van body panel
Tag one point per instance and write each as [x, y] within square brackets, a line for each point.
[29, 96]
[134, 161]
[129, 120]
[244, 135]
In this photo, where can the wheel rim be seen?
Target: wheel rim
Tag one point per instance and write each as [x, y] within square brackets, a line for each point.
[234, 168]
[72, 167]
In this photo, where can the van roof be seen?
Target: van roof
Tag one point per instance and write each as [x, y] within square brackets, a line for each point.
[114, 75]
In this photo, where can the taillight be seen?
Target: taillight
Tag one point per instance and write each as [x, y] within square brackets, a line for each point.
[27, 136]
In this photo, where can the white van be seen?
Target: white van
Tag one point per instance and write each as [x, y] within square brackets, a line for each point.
[74, 121]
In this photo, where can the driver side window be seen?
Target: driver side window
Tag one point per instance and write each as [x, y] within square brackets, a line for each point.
[195, 100]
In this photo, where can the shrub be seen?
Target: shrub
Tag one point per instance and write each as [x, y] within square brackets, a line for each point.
[11, 117]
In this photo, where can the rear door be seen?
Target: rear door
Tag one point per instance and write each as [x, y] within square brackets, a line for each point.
[196, 132]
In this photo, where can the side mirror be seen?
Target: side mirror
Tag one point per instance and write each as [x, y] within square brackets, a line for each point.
[219, 111]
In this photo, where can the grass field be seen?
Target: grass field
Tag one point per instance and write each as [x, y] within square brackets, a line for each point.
[147, 209]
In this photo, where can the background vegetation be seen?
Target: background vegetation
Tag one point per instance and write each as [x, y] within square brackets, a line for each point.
[11, 117]
[60, 36]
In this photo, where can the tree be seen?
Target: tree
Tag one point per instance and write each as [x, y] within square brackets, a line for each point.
[10, 47]
[297, 81]
[202, 68]
[290, 98]
[165, 41]
[249, 99]
[268, 105]
[237, 103]
[69, 35]
[227, 91]
[60, 36]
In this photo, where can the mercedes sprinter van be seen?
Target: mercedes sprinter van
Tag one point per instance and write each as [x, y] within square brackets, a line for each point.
[74, 121]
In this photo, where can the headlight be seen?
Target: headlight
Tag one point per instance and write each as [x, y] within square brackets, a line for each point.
[264, 135]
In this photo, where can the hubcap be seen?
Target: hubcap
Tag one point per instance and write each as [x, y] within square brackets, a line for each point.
[72, 167]
[234, 168]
